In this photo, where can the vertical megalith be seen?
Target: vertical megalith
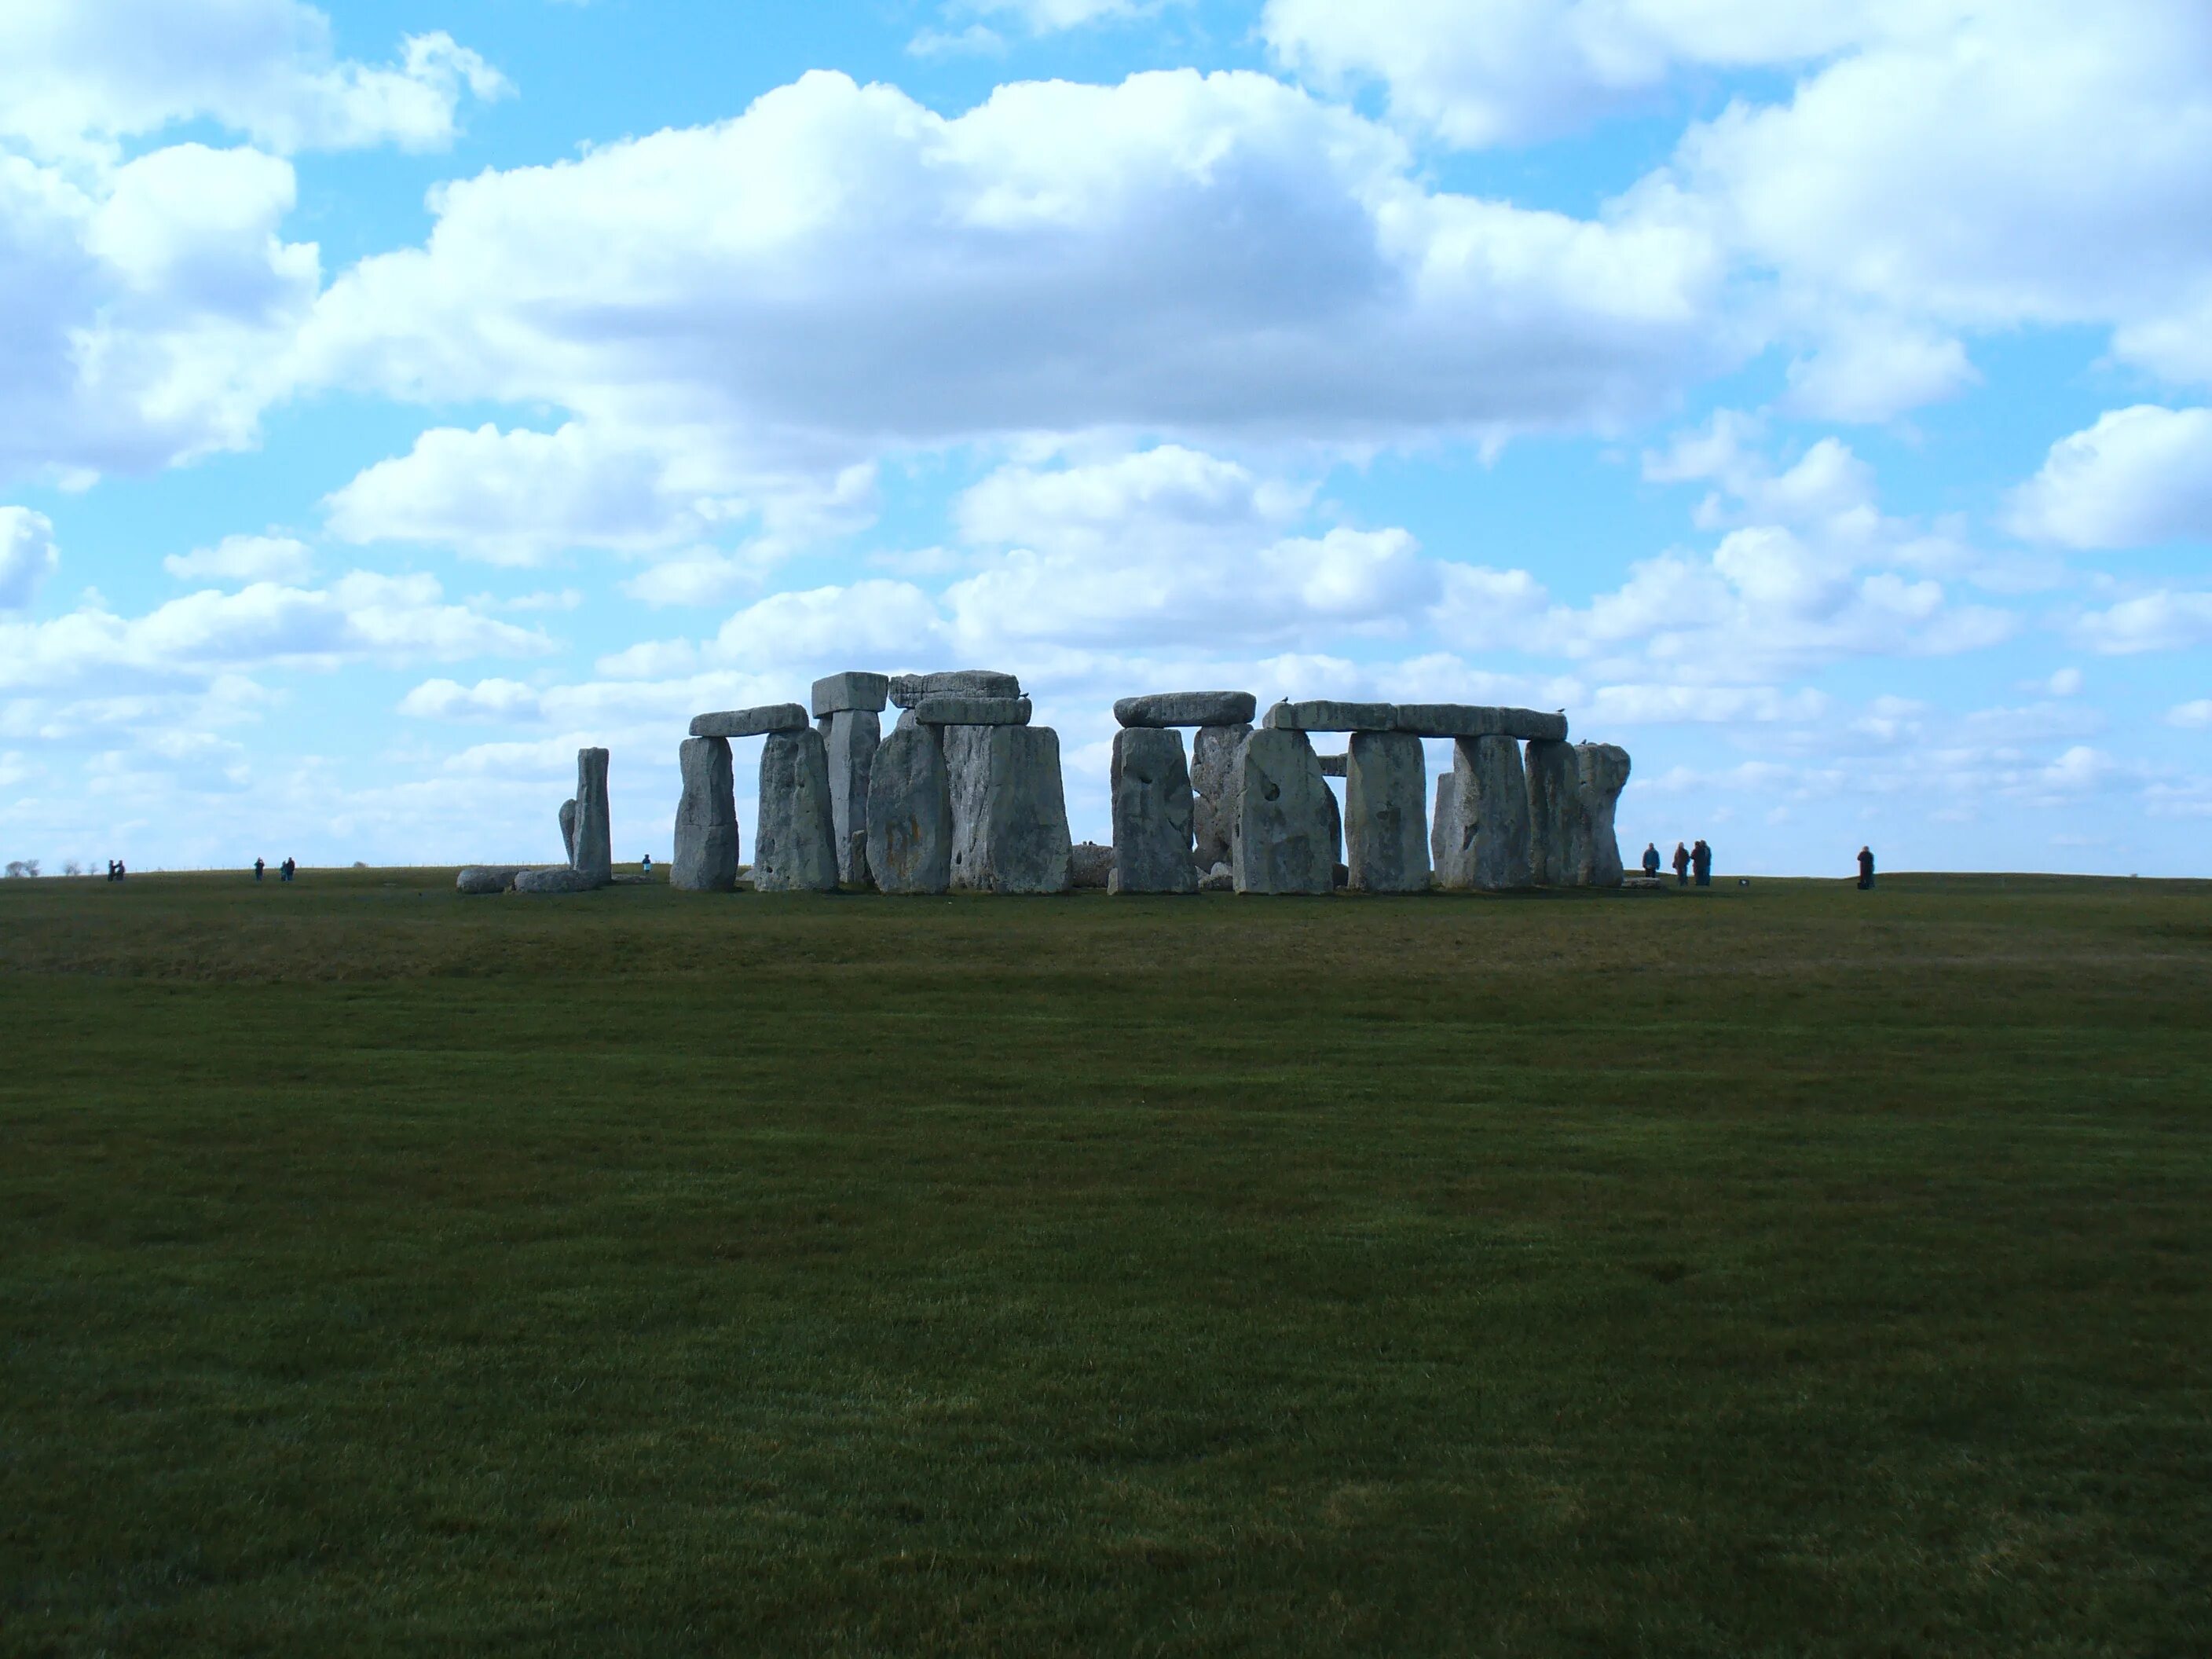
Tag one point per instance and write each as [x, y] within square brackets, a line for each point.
[792, 847]
[1603, 773]
[706, 819]
[1282, 842]
[569, 830]
[1009, 810]
[851, 738]
[909, 823]
[1213, 780]
[1385, 808]
[1152, 812]
[1481, 838]
[593, 855]
[1555, 813]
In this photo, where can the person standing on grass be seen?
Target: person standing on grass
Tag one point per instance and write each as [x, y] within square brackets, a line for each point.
[645, 866]
[1681, 865]
[1866, 868]
[1701, 861]
[258, 867]
[1651, 859]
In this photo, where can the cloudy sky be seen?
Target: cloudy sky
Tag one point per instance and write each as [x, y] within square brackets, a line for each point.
[1809, 395]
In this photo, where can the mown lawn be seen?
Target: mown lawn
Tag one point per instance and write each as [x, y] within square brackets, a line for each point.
[1777, 1270]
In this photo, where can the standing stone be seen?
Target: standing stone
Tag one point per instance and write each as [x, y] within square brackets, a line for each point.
[1152, 812]
[569, 830]
[593, 855]
[852, 735]
[1602, 770]
[1009, 811]
[1214, 779]
[792, 848]
[1282, 843]
[706, 853]
[1481, 837]
[911, 813]
[1386, 795]
[1555, 813]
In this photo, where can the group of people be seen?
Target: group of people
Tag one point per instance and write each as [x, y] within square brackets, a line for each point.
[1696, 857]
[115, 869]
[284, 870]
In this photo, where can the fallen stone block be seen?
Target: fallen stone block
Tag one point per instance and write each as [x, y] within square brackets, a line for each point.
[1009, 809]
[750, 722]
[1150, 786]
[1213, 791]
[949, 708]
[707, 837]
[1186, 708]
[908, 689]
[911, 813]
[1465, 719]
[1090, 864]
[1601, 771]
[558, 878]
[1480, 841]
[594, 850]
[1386, 797]
[1283, 813]
[1326, 715]
[1555, 813]
[853, 691]
[488, 877]
[1219, 879]
[792, 847]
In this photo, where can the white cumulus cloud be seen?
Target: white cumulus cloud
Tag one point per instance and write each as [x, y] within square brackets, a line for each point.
[2138, 476]
[27, 555]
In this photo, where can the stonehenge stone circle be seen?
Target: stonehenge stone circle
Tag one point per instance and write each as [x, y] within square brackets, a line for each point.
[851, 736]
[556, 878]
[910, 831]
[1461, 719]
[792, 848]
[568, 829]
[1282, 842]
[855, 692]
[1326, 715]
[1386, 798]
[594, 852]
[1187, 709]
[908, 689]
[1214, 779]
[1152, 812]
[750, 722]
[1601, 774]
[953, 708]
[1480, 841]
[1555, 813]
[707, 853]
[1009, 811]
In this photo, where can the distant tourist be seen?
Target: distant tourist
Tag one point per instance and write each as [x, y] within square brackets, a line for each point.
[284, 870]
[1682, 865]
[1701, 860]
[113, 874]
[645, 866]
[1651, 859]
[1866, 868]
[258, 867]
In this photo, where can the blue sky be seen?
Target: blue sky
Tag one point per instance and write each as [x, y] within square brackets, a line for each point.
[1809, 396]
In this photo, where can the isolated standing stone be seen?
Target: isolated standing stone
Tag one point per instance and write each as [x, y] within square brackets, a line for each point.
[593, 854]
[1187, 709]
[1009, 811]
[1284, 806]
[851, 736]
[1152, 812]
[911, 813]
[792, 847]
[1603, 774]
[1214, 787]
[1555, 814]
[706, 853]
[1386, 797]
[1481, 837]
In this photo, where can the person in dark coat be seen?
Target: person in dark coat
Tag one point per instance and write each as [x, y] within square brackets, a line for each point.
[259, 866]
[1701, 860]
[1681, 865]
[1866, 868]
[1651, 859]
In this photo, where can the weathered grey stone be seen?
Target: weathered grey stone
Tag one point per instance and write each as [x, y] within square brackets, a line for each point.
[556, 879]
[1213, 789]
[1187, 709]
[852, 738]
[1335, 829]
[1555, 814]
[488, 877]
[1090, 864]
[1333, 766]
[1466, 719]
[750, 722]
[1152, 812]
[1219, 879]
[948, 708]
[911, 813]
[1282, 842]
[854, 691]
[1481, 835]
[1009, 810]
[792, 847]
[1386, 797]
[1603, 773]
[706, 853]
[569, 830]
[594, 851]
[908, 689]
[1325, 714]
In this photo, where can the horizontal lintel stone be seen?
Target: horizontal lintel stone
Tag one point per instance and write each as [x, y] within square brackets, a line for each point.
[909, 689]
[1335, 766]
[1186, 708]
[945, 708]
[752, 722]
[1325, 714]
[1463, 719]
[839, 694]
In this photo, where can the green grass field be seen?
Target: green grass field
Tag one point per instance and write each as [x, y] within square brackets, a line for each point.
[1778, 1270]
